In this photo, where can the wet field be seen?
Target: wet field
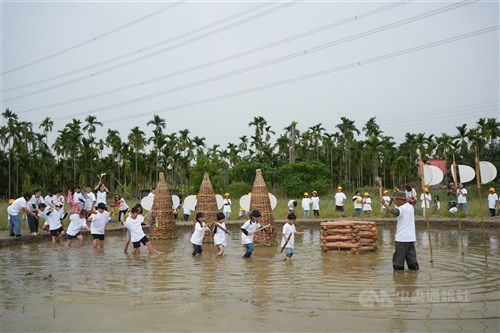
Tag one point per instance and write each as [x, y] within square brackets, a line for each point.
[46, 288]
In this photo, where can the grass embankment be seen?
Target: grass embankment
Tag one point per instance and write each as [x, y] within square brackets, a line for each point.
[327, 208]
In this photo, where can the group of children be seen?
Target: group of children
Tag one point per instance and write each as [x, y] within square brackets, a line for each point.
[248, 230]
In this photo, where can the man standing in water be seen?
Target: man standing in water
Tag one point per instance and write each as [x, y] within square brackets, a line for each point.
[405, 233]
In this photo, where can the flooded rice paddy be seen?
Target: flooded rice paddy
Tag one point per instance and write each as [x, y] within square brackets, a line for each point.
[46, 288]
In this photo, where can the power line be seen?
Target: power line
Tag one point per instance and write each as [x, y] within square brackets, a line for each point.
[90, 40]
[280, 59]
[308, 76]
[224, 59]
[152, 46]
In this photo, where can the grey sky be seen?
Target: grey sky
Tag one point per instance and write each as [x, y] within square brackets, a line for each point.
[70, 59]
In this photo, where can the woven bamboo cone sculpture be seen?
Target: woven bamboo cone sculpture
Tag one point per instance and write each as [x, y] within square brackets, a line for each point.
[206, 203]
[163, 210]
[260, 201]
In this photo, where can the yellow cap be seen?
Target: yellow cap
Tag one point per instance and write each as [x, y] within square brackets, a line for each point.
[385, 191]
[426, 189]
[339, 188]
[314, 192]
[11, 201]
[366, 194]
[306, 194]
[226, 194]
[492, 189]
[249, 193]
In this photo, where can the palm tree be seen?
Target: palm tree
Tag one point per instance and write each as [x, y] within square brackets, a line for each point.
[316, 137]
[11, 118]
[293, 133]
[137, 141]
[347, 129]
[47, 124]
[489, 128]
[371, 128]
[243, 144]
[90, 127]
[158, 138]
[461, 139]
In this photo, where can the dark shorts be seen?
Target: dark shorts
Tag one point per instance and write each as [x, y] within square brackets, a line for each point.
[57, 231]
[339, 208]
[143, 240]
[71, 237]
[98, 236]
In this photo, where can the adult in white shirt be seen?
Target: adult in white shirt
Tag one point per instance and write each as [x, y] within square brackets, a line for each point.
[226, 206]
[426, 199]
[306, 204]
[405, 233]
[13, 211]
[462, 198]
[340, 198]
[247, 232]
[98, 225]
[35, 200]
[492, 201]
[199, 232]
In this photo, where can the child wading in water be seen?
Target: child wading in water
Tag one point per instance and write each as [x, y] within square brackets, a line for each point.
[98, 224]
[54, 216]
[199, 232]
[247, 232]
[288, 236]
[220, 234]
[134, 224]
[129, 235]
[78, 221]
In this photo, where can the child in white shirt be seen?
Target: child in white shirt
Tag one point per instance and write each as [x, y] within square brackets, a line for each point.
[220, 234]
[134, 224]
[77, 223]
[98, 224]
[199, 232]
[288, 236]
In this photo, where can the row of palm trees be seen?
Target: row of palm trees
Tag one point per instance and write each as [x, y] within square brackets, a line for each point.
[133, 162]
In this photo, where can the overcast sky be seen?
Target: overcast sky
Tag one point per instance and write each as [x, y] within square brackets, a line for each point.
[211, 67]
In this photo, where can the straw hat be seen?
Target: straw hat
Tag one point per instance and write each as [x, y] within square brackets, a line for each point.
[339, 188]
[386, 191]
[367, 194]
[492, 189]
[426, 189]
[226, 194]
[306, 194]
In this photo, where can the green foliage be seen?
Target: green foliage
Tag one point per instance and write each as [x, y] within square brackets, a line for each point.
[214, 168]
[238, 189]
[295, 179]
[245, 172]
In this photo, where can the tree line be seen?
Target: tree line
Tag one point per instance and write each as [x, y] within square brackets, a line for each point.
[293, 161]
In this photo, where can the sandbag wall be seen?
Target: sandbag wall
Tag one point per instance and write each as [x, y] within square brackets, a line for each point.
[353, 236]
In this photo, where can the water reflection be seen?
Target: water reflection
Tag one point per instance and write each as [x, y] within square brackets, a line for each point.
[42, 286]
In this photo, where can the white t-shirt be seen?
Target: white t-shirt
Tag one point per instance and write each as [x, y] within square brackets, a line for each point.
[250, 227]
[16, 207]
[405, 230]
[220, 235]
[291, 206]
[199, 233]
[89, 201]
[98, 222]
[50, 200]
[135, 227]
[77, 198]
[492, 200]
[306, 203]
[367, 204]
[462, 196]
[412, 194]
[60, 199]
[53, 219]
[101, 197]
[34, 202]
[287, 229]
[427, 202]
[357, 205]
[123, 204]
[226, 206]
[315, 203]
[340, 198]
[76, 224]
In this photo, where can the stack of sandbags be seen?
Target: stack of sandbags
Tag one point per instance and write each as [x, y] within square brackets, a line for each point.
[368, 235]
[354, 236]
[163, 211]
[338, 235]
[260, 201]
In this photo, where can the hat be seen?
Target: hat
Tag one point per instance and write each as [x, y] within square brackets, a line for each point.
[426, 189]
[314, 192]
[400, 195]
[11, 201]
[367, 194]
[339, 188]
[492, 189]
[306, 194]
[226, 194]
[386, 191]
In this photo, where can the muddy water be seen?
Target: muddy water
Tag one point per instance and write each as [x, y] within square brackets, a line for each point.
[82, 289]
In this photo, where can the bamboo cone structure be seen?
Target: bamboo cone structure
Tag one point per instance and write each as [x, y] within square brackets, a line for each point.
[207, 204]
[260, 201]
[164, 212]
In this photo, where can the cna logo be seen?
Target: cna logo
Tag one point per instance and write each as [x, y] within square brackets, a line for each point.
[370, 298]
